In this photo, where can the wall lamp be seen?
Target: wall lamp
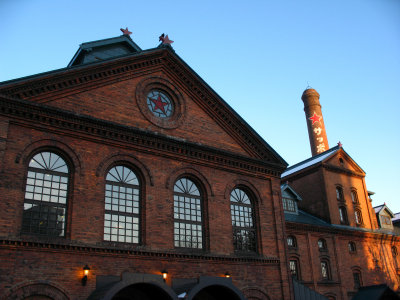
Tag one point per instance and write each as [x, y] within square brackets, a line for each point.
[227, 275]
[86, 270]
[164, 274]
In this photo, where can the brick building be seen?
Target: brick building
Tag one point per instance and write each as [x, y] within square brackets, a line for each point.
[125, 176]
[337, 242]
[128, 166]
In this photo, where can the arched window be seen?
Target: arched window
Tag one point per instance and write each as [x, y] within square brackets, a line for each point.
[322, 245]
[45, 205]
[188, 220]
[352, 247]
[354, 197]
[242, 213]
[394, 251]
[358, 215]
[343, 215]
[294, 268]
[325, 270]
[357, 279]
[339, 193]
[291, 241]
[122, 206]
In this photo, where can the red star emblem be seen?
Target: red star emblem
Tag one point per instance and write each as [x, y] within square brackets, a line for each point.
[125, 31]
[165, 39]
[158, 104]
[315, 118]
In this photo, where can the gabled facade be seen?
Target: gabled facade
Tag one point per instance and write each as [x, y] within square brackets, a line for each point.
[125, 175]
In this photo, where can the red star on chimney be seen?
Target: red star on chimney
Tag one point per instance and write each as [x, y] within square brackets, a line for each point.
[315, 118]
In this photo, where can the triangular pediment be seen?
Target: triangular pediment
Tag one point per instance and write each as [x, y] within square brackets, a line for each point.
[342, 161]
[79, 83]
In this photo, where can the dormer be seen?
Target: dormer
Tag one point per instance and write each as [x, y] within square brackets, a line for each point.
[289, 199]
[102, 50]
[384, 216]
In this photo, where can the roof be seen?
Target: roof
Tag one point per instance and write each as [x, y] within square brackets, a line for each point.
[302, 292]
[311, 161]
[375, 292]
[104, 49]
[305, 218]
[286, 186]
[396, 218]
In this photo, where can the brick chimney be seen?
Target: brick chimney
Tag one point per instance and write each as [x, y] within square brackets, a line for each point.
[315, 122]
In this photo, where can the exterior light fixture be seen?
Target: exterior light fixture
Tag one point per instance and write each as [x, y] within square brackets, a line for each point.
[86, 270]
[164, 274]
[227, 275]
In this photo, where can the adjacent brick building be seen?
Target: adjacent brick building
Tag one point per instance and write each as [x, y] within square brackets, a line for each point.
[125, 176]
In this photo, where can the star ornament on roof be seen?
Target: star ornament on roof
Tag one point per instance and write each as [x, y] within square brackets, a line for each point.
[125, 31]
[165, 39]
[315, 118]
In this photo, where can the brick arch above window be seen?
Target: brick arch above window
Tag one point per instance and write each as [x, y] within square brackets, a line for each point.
[245, 185]
[37, 288]
[128, 160]
[53, 145]
[191, 173]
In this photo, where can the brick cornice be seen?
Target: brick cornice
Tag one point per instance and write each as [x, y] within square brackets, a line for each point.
[131, 253]
[53, 85]
[36, 115]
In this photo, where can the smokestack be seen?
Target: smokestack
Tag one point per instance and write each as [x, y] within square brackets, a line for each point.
[315, 122]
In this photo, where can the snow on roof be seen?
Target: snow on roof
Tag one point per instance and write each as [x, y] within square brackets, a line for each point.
[309, 162]
[396, 217]
[378, 208]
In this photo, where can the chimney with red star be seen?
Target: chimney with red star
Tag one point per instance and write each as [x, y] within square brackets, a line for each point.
[315, 122]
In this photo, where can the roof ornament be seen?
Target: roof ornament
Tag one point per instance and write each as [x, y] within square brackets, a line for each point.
[164, 39]
[125, 31]
[308, 86]
[340, 145]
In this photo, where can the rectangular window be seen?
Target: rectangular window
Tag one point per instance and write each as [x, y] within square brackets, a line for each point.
[289, 205]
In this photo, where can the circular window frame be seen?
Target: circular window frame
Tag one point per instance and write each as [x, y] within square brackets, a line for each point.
[171, 91]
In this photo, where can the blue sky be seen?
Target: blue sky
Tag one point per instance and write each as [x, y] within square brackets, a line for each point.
[257, 55]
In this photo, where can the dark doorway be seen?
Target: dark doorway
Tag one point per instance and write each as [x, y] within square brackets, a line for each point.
[141, 291]
[216, 292]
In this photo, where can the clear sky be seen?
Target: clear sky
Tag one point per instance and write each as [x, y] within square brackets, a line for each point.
[257, 55]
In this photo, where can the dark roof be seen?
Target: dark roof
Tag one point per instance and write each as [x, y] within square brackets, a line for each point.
[104, 50]
[301, 292]
[376, 292]
[305, 218]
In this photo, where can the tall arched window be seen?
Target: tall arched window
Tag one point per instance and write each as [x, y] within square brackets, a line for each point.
[45, 205]
[354, 197]
[322, 245]
[358, 216]
[294, 268]
[122, 206]
[339, 193]
[242, 213]
[291, 241]
[325, 269]
[188, 220]
[343, 215]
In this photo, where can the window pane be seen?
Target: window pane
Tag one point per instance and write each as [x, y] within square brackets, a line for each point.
[45, 202]
[188, 230]
[121, 184]
[244, 234]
